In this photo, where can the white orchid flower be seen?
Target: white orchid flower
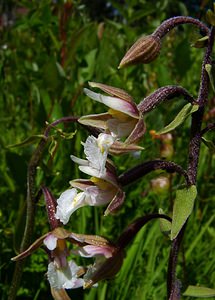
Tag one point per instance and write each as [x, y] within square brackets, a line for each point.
[123, 118]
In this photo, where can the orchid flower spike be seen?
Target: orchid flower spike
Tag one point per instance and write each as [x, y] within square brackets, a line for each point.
[123, 119]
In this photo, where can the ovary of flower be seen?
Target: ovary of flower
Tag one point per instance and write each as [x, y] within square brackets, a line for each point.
[64, 278]
[68, 202]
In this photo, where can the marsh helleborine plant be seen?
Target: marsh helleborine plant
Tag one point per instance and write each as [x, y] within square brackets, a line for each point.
[115, 132]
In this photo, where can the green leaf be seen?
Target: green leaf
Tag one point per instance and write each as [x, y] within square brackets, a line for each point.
[210, 144]
[61, 70]
[210, 16]
[199, 292]
[30, 140]
[208, 69]
[187, 110]
[52, 147]
[182, 208]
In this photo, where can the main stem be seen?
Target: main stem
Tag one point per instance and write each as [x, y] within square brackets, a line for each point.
[193, 158]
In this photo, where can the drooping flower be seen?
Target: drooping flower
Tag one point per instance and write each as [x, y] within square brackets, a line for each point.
[123, 119]
[100, 192]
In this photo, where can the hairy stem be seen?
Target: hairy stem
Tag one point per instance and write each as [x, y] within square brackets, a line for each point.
[169, 24]
[164, 93]
[130, 232]
[147, 167]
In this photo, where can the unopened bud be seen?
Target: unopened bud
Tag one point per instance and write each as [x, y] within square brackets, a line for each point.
[145, 50]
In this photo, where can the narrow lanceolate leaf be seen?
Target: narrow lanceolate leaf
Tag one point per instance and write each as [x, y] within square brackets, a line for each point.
[187, 110]
[182, 208]
[30, 140]
[199, 292]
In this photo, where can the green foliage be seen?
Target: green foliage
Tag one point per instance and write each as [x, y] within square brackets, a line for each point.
[44, 65]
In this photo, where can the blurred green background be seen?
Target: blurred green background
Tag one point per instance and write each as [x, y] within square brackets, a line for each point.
[49, 50]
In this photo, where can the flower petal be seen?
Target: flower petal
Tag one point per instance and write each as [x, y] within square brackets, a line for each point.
[68, 202]
[31, 248]
[82, 162]
[98, 120]
[113, 91]
[91, 250]
[64, 278]
[137, 132]
[116, 203]
[50, 241]
[121, 105]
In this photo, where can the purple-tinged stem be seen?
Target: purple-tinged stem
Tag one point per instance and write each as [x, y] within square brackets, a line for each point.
[130, 232]
[209, 127]
[193, 158]
[169, 24]
[164, 93]
[147, 167]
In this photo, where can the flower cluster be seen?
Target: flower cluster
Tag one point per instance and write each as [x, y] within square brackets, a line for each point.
[119, 131]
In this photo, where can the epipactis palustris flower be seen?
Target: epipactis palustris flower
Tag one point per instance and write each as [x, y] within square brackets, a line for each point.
[101, 192]
[63, 274]
[94, 192]
[123, 119]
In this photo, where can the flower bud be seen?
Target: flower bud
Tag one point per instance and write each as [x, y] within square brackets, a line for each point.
[145, 50]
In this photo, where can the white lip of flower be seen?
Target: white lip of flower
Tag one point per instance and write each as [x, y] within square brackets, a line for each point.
[68, 202]
[96, 151]
[64, 278]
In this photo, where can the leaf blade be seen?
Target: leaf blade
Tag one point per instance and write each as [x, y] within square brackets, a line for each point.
[182, 208]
